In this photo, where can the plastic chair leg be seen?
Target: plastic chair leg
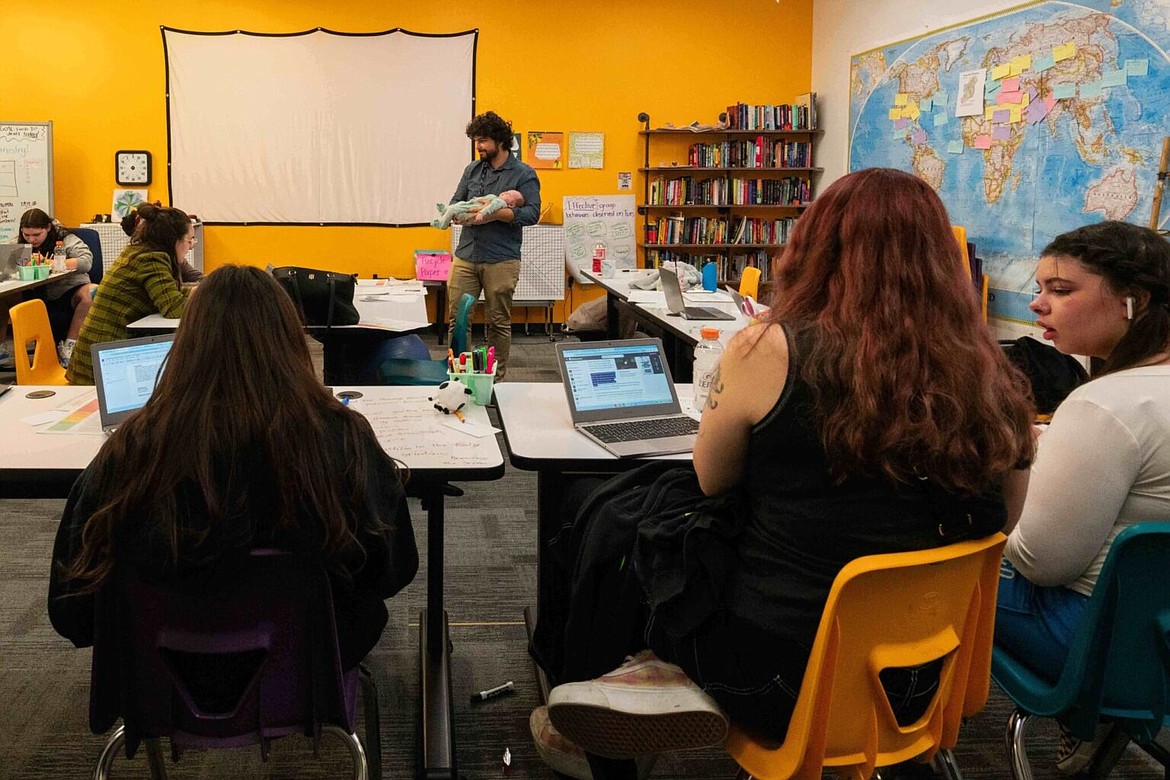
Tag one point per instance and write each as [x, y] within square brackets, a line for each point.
[361, 770]
[1017, 754]
[944, 763]
[373, 724]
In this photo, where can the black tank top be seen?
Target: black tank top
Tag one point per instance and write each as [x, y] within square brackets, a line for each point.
[803, 528]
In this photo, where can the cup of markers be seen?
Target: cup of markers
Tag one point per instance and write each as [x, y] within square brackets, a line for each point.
[38, 267]
[476, 370]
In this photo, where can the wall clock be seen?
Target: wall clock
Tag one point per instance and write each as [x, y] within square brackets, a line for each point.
[132, 166]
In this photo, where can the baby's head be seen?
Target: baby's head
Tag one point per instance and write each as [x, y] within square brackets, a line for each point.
[513, 198]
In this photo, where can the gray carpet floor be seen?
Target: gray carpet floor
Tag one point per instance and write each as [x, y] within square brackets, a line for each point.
[490, 577]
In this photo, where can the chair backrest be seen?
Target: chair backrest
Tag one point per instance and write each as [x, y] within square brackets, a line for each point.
[459, 330]
[94, 242]
[30, 325]
[894, 610]
[749, 282]
[250, 658]
[1119, 662]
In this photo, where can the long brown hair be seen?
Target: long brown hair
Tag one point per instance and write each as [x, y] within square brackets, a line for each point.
[908, 381]
[158, 229]
[237, 387]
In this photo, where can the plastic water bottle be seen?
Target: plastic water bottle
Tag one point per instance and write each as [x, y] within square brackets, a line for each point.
[707, 354]
[59, 257]
[598, 258]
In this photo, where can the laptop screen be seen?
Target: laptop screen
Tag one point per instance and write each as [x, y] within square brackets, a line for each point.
[126, 372]
[617, 375]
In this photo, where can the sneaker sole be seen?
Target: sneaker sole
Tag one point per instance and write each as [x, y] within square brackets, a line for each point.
[614, 734]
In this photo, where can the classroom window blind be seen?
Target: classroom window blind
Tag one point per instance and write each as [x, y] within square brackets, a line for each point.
[317, 127]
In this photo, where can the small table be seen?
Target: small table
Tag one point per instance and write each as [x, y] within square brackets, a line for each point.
[11, 293]
[540, 437]
[40, 465]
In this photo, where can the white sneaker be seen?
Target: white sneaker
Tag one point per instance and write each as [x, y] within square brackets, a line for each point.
[644, 706]
[564, 756]
[65, 351]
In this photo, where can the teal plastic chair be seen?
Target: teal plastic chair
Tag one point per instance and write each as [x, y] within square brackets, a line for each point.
[422, 370]
[1118, 667]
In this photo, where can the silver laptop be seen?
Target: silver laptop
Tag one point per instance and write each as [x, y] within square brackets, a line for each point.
[621, 396]
[676, 305]
[125, 373]
[12, 255]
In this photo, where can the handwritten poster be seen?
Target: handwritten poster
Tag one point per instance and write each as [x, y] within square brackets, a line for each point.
[599, 219]
[546, 149]
[586, 150]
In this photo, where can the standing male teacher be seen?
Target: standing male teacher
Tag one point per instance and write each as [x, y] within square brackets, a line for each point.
[488, 255]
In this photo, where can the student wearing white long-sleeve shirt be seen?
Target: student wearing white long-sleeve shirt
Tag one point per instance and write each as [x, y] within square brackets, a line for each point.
[1104, 462]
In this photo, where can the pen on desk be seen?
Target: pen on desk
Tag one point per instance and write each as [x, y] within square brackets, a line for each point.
[491, 693]
[491, 359]
[459, 416]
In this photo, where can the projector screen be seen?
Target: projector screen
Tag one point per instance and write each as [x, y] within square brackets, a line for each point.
[317, 127]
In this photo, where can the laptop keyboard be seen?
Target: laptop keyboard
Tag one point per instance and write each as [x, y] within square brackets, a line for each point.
[640, 430]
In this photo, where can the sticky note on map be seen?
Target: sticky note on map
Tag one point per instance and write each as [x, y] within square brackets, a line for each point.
[1001, 115]
[1001, 71]
[1114, 78]
[941, 118]
[1091, 90]
[1008, 98]
[989, 113]
[941, 97]
[895, 114]
[1016, 114]
[1020, 63]
[901, 123]
[991, 89]
[1011, 84]
[911, 111]
[1064, 91]
[982, 141]
[955, 147]
[1137, 67]
[901, 99]
[1001, 133]
[1064, 51]
[925, 104]
[1043, 62]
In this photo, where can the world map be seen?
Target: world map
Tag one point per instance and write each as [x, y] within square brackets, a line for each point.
[1067, 130]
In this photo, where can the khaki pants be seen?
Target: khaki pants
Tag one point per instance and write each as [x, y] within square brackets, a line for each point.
[498, 283]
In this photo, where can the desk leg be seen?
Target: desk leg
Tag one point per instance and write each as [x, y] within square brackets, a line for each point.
[611, 316]
[441, 312]
[437, 726]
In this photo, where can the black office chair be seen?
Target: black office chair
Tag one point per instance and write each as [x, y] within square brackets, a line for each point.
[94, 242]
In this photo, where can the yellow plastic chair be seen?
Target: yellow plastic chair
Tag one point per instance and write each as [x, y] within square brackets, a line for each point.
[749, 282]
[30, 324]
[895, 610]
[961, 236]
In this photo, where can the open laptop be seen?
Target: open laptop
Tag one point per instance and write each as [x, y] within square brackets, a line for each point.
[621, 396]
[12, 255]
[676, 305]
[125, 373]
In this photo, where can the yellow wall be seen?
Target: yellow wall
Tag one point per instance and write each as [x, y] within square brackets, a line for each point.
[95, 69]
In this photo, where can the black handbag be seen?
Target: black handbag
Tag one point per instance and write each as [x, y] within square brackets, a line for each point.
[322, 297]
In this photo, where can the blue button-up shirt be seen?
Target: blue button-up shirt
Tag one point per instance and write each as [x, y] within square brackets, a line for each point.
[495, 241]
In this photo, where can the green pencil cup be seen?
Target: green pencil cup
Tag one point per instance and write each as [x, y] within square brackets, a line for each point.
[480, 384]
[43, 271]
[26, 273]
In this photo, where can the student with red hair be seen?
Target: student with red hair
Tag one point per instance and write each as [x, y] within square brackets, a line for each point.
[871, 411]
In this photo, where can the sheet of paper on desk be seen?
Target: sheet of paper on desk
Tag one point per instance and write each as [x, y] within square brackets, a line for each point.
[390, 324]
[43, 417]
[647, 297]
[469, 427]
[394, 296]
[395, 286]
[700, 296]
[77, 417]
[412, 431]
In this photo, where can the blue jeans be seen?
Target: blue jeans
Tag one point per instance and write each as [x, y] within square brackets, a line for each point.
[1034, 624]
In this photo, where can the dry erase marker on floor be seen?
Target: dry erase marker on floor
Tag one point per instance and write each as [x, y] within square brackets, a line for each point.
[491, 693]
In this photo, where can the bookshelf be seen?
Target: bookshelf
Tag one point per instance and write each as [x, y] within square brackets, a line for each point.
[730, 193]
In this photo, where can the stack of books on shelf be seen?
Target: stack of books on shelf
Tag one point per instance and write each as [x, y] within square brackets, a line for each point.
[791, 191]
[799, 115]
[758, 152]
[677, 229]
[686, 191]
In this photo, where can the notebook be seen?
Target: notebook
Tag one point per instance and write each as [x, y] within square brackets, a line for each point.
[125, 373]
[675, 304]
[12, 255]
[622, 397]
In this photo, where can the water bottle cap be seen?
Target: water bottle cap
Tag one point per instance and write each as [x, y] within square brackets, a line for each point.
[710, 333]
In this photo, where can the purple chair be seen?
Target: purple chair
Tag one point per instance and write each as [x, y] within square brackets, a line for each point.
[254, 659]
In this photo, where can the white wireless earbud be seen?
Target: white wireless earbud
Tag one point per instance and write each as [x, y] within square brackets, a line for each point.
[1129, 307]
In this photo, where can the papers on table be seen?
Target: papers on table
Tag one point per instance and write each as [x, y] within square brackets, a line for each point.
[74, 417]
[387, 323]
[657, 298]
[393, 286]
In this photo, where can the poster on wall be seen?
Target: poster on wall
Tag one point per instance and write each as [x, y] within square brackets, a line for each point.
[591, 220]
[586, 150]
[126, 201]
[26, 173]
[995, 112]
[545, 149]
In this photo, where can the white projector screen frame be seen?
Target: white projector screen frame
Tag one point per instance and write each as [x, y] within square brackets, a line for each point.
[317, 127]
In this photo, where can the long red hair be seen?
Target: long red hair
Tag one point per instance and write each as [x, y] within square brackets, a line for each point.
[908, 380]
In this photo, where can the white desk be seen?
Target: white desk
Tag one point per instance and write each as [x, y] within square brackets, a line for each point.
[18, 285]
[40, 465]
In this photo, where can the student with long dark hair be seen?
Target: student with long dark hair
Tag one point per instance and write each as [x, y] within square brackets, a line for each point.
[66, 298]
[870, 412]
[239, 447]
[1104, 461]
[145, 279]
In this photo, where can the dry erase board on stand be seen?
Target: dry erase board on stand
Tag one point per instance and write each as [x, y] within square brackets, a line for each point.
[26, 173]
[542, 263]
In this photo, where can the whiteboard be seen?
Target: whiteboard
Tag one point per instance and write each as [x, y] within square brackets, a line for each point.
[26, 173]
[599, 219]
[542, 263]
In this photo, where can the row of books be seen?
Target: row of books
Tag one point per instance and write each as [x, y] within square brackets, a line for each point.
[751, 153]
[676, 229]
[730, 267]
[799, 115]
[688, 191]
